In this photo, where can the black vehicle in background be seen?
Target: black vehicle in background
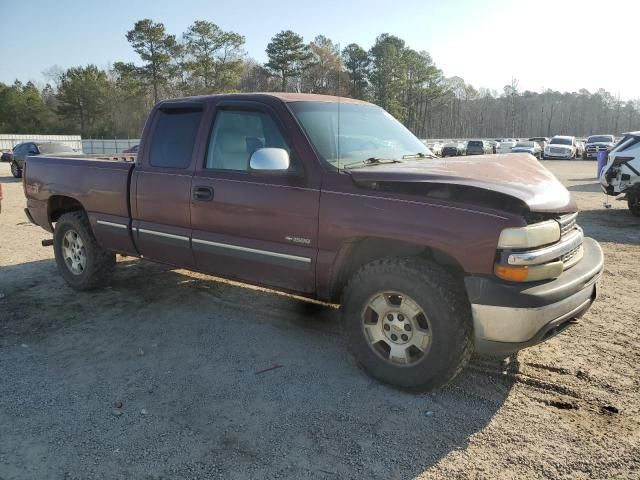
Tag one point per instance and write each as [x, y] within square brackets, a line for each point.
[6, 156]
[479, 147]
[454, 149]
[28, 149]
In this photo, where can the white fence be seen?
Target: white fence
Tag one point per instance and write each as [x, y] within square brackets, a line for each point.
[10, 140]
[91, 146]
[108, 146]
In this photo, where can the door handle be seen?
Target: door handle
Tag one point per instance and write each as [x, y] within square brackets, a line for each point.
[203, 194]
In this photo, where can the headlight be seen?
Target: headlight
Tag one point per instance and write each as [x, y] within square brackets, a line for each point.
[535, 235]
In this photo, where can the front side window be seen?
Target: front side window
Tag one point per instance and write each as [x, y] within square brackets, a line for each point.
[237, 134]
[174, 138]
[347, 134]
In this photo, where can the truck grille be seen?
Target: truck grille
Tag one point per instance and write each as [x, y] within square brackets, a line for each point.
[569, 259]
[596, 148]
[567, 223]
[568, 249]
[556, 150]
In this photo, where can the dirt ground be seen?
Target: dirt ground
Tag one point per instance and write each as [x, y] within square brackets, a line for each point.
[220, 381]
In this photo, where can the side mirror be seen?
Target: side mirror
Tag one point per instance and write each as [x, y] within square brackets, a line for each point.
[269, 160]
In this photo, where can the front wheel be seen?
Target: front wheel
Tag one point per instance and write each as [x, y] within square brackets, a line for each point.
[408, 322]
[633, 202]
[82, 261]
[16, 171]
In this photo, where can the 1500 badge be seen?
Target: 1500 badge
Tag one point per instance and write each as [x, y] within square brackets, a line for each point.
[303, 241]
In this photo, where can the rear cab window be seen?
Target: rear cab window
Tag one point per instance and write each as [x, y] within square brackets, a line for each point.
[174, 137]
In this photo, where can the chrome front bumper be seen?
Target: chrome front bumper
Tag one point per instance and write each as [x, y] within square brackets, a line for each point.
[509, 317]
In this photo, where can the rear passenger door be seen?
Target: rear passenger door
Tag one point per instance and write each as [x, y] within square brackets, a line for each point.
[248, 225]
[161, 211]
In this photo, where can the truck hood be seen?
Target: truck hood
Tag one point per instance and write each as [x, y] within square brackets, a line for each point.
[518, 175]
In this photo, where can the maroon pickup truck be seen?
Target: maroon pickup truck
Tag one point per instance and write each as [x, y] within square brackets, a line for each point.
[335, 200]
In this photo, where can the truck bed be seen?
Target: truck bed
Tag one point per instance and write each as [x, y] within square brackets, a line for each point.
[100, 185]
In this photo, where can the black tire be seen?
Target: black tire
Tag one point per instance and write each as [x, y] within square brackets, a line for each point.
[633, 202]
[443, 301]
[99, 262]
[16, 171]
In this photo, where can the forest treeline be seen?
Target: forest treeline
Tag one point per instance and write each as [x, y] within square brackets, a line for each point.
[206, 59]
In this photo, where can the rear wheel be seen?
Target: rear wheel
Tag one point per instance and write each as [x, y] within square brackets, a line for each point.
[408, 323]
[633, 202]
[83, 263]
[16, 171]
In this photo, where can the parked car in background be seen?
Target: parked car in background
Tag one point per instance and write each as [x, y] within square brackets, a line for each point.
[133, 149]
[435, 147]
[597, 143]
[506, 144]
[478, 147]
[542, 141]
[561, 147]
[6, 156]
[621, 174]
[528, 147]
[465, 255]
[27, 149]
[454, 149]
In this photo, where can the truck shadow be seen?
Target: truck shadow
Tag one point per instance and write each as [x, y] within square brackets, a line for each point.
[232, 378]
[586, 187]
[611, 225]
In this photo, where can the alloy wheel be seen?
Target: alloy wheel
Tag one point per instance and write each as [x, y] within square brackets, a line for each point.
[396, 328]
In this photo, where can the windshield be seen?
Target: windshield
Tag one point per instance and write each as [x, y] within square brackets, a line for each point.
[475, 143]
[600, 138]
[560, 141]
[363, 132]
[54, 148]
[525, 144]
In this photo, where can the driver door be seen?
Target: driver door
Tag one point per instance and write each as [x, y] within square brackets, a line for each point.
[260, 227]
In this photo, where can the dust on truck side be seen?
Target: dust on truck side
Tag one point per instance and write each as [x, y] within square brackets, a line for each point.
[333, 199]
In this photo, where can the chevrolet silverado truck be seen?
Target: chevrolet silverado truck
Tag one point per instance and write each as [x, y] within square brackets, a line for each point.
[333, 199]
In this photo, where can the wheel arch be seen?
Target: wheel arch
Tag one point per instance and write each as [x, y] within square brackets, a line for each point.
[358, 252]
[58, 205]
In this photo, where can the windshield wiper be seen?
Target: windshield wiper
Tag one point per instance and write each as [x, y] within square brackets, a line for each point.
[371, 161]
[418, 155]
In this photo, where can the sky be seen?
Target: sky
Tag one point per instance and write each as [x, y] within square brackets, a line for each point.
[564, 45]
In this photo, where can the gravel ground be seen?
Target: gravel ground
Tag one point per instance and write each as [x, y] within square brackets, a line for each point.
[214, 380]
